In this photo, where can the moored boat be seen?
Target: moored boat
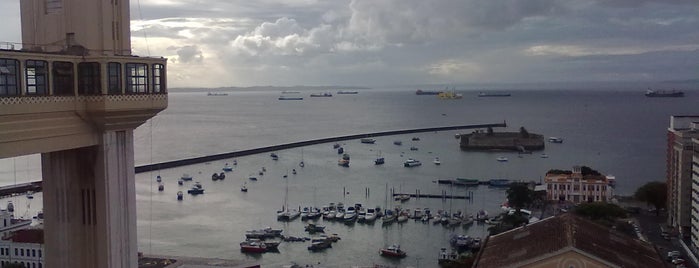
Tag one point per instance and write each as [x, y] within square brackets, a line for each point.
[468, 182]
[227, 168]
[320, 243]
[347, 92]
[398, 142]
[411, 163]
[492, 94]
[664, 93]
[290, 98]
[180, 195]
[393, 251]
[253, 246]
[501, 159]
[186, 177]
[437, 161]
[368, 140]
[555, 140]
[379, 161]
[325, 94]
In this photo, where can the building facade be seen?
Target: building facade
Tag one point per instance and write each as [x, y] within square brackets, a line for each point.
[679, 172]
[579, 185]
[74, 93]
[24, 246]
[694, 218]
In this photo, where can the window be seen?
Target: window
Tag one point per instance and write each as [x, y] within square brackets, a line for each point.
[36, 77]
[136, 78]
[21, 252]
[40, 253]
[33, 252]
[16, 252]
[63, 78]
[9, 77]
[158, 78]
[89, 82]
[114, 78]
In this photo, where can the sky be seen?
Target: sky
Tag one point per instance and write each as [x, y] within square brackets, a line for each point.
[221, 43]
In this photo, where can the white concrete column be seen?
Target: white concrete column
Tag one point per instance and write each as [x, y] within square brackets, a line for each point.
[90, 204]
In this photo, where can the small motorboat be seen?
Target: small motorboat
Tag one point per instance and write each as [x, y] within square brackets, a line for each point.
[252, 178]
[158, 179]
[30, 195]
[274, 156]
[379, 161]
[416, 138]
[336, 145]
[312, 228]
[302, 164]
[161, 188]
[180, 182]
[393, 251]
[368, 140]
[293, 171]
[320, 243]
[398, 142]
[253, 246]
[227, 168]
[501, 159]
[244, 188]
[555, 140]
[411, 163]
[179, 195]
[186, 177]
[340, 150]
[413, 148]
[544, 156]
[436, 161]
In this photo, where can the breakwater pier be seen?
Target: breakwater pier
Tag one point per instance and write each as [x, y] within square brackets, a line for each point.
[208, 158]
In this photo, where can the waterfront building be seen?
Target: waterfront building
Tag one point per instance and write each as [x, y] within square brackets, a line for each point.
[582, 184]
[73, 92]
[8, 223]
[679, 172]
[24, 246]
[694, 217]
[566, 240]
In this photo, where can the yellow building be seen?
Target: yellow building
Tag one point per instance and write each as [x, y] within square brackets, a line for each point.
[582, 184]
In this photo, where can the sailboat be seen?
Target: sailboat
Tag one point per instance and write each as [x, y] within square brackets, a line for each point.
[302, 164]
[389, 216]
[285, 214]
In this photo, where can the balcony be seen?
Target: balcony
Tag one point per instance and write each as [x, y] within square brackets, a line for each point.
[54, 101]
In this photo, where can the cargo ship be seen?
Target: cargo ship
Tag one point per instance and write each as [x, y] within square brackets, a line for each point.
[664, 93]
[427, 92]
[484, 94]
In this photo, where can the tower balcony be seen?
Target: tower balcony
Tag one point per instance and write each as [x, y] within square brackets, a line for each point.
[57, 101]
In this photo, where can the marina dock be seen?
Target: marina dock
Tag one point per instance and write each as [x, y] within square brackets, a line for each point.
[444, 195]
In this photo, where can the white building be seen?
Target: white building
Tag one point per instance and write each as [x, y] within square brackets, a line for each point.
[8, 223]
[25, 247]
[582, 184]
[679, 172]
[694, 222]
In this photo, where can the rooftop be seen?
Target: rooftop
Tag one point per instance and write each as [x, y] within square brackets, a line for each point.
[35, 236]
[566, 233]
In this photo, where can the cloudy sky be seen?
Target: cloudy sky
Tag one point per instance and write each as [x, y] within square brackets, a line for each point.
[215, 43]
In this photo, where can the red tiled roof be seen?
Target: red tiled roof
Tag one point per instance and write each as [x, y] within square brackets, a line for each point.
[522, 245]
[35, 236]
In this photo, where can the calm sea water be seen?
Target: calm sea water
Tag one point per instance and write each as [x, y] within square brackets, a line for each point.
[616, 132]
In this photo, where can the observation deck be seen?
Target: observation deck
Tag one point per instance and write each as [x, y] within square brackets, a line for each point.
[52, 101]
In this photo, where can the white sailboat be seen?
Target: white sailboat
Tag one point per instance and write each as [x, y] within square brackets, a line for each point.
[302, 164]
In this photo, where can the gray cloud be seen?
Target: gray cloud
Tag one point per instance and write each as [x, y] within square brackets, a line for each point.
[189, 54]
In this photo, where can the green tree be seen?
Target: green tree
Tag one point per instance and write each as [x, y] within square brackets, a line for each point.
[600, 211]
[519, 195]
[653, 193]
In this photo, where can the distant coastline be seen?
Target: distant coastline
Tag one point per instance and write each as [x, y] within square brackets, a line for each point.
[268, 88]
